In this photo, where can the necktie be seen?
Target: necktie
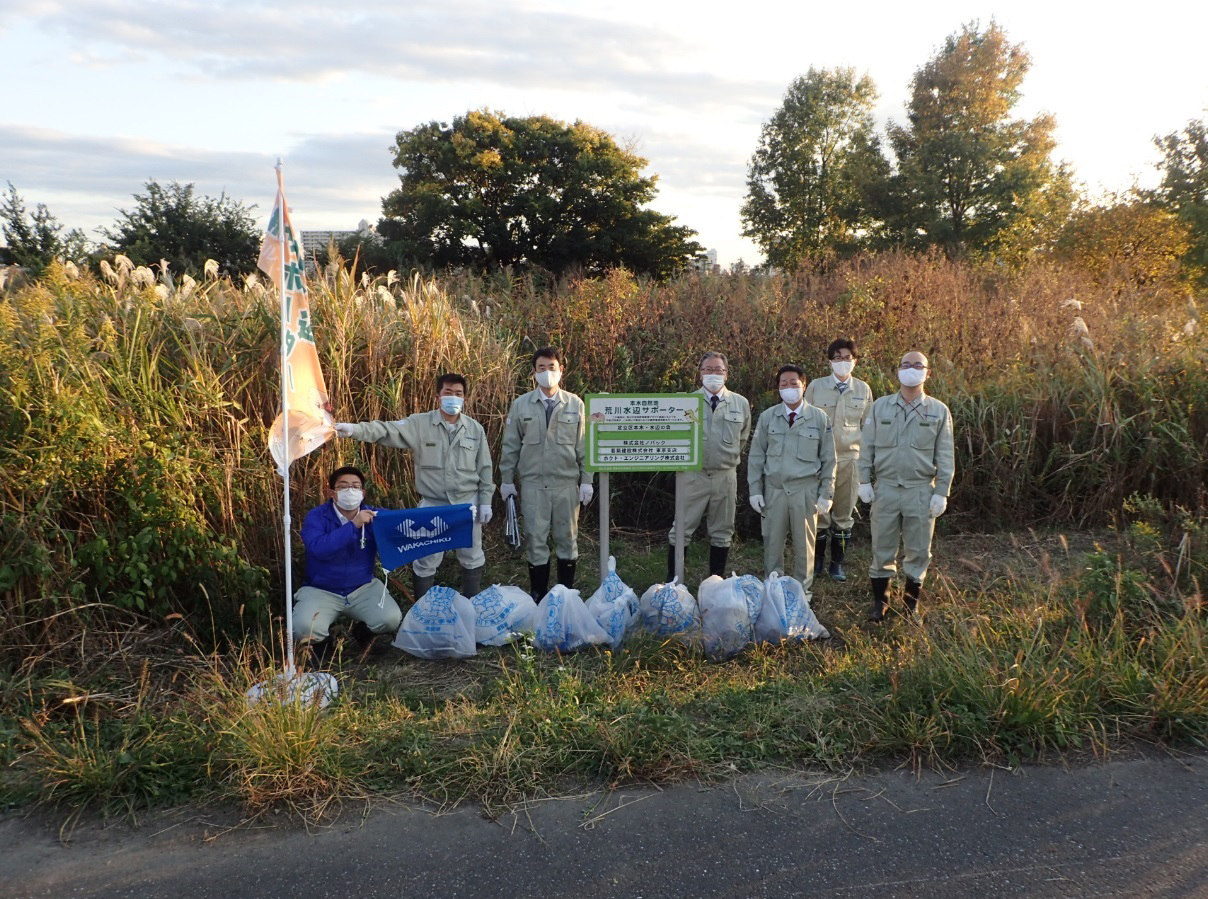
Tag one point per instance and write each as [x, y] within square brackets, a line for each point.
[549, 409]
[842, 385]
[792, 418]
[714, 400]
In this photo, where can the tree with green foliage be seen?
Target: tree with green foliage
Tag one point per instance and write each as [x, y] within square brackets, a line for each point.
[493, 190]
[812, 179]
[174, 224]
[968, 170]
[35, 238]
[1184, 188]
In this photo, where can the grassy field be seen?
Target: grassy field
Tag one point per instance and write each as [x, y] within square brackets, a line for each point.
[1031, 647]
[141, 564]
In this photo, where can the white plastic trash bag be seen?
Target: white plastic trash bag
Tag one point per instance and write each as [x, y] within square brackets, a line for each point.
[667, 609]
[439, 626]
[726, 625]
[501, 614]
[614, 605]
[563, 623]
[786, 613]
[752, 591]
[304, 687]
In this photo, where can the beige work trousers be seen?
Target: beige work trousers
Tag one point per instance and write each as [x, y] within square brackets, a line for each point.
[546, 509]
[794, 517]
[901, 514]
[470, 556]
[842, 513]
[714, 492]
[315, 610]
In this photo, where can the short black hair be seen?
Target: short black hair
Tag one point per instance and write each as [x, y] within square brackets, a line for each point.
[547, 352]
[795, 369]
[340, 472]
[843, 343]
[452, 378]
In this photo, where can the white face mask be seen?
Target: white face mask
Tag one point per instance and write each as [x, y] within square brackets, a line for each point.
[790, 395]
[911, 377]
[843, 367]
[713, 383]
[549, 379]
[451, 405]
[349, 498]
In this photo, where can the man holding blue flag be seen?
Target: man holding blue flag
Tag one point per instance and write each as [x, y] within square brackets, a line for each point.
[452, 467]
[340, 555]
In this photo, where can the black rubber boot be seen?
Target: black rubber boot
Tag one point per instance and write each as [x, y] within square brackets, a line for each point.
[366, 640]
[539, 581]
[471, 581]
[838, 554]
[670, 562]
[820, 554]
[911, 594]
[717, 560]
[566, 572]
[879, 587]
[421, 585]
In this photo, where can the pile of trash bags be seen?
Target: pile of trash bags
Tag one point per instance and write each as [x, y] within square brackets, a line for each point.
[730, 614]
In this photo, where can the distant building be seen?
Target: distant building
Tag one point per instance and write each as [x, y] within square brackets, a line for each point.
[313, 241]
[705, 263]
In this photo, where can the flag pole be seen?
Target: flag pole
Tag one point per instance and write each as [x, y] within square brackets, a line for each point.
[286, 523]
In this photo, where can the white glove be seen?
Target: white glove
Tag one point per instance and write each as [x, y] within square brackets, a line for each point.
[824, 505]
[343, 429]
[866, 494]
[586, 492]
[506, 490]
[938, 505]
[757, 502]
[473, 513]
[485, 514]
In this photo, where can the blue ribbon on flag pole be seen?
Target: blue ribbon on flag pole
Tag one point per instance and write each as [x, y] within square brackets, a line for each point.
[405, 535]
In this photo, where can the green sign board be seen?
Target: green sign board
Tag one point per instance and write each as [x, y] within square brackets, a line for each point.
[644, 431]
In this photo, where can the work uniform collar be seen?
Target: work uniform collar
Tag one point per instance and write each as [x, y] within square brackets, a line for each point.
[785, 410]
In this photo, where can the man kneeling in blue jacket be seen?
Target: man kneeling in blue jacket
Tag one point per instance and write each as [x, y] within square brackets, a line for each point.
[340, 554]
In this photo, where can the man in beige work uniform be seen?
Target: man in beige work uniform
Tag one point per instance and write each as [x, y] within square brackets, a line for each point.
[544, 454]
[714, 489]
[452, 466]
[845, 400]
[791, 475]
[906, 468]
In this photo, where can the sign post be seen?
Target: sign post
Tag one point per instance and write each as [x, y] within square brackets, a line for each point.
[644, 432]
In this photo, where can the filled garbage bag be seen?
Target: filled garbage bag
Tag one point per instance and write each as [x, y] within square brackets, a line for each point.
[667, 609]
[786, 613]
[439, 626]
[563, 623]
[614, 605]
[726, 625]
[501, 614]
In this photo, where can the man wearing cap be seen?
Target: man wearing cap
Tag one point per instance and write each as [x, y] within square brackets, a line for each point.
[906, 468]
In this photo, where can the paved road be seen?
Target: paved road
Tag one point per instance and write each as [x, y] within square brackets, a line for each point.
[1126, 828]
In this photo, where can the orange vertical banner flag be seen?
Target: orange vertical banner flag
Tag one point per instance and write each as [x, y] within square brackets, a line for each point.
[304, 393]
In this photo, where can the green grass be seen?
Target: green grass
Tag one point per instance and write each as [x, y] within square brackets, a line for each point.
[1013, 660]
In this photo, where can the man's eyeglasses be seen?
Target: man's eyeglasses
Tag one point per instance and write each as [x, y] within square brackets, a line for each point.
[917, 366]
[712, 371]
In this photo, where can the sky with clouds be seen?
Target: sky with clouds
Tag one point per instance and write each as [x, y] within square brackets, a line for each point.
[103, 95]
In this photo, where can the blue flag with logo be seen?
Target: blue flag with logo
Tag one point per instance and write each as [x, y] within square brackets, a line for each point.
[408, 534]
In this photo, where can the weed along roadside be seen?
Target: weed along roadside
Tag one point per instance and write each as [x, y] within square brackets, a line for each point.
[1034, 648]
[141, 578]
